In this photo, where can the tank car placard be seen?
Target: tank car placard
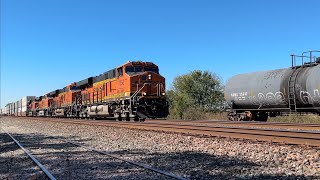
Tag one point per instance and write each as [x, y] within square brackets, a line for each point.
[239, 96]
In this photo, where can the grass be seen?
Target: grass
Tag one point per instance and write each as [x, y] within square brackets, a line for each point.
[193, 114]
[310, 118]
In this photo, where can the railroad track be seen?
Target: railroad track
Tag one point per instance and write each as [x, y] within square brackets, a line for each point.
[35, 160]
[278, 125]
[254, 124]
[89, 149]
[141, 165]
[294, 137]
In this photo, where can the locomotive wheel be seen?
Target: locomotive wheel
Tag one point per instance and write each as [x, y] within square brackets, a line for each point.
[119, 118]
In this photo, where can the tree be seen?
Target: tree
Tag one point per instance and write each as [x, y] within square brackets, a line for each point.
[199, 90]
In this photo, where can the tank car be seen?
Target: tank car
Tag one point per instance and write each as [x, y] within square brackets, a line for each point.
[258, 95]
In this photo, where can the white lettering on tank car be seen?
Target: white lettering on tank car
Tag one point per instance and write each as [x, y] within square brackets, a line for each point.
[270, 98]
[239, 96]
[307, 98]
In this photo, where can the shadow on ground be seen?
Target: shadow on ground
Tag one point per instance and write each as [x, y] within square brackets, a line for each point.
[80, 165]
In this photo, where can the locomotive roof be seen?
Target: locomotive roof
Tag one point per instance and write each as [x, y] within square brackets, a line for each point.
[138, 63]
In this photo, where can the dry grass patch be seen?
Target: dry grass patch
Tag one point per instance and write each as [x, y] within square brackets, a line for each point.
[296, 119]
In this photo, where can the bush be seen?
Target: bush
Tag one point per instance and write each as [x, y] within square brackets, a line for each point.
[194, 95]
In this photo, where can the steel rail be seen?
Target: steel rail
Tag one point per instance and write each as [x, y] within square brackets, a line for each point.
[270, 135]
[125, 160]
[297, 137]
[280, 125]
[317, 125]
[273, 124]
[48, 174]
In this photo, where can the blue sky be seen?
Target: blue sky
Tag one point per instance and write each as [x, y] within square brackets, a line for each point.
[46, 45]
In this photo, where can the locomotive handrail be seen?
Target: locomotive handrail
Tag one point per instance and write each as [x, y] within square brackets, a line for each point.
[135, 94]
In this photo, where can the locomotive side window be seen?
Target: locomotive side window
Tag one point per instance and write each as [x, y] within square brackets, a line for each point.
[120, 72]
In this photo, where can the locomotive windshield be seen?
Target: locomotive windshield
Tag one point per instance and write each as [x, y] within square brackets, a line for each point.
[133, 69]
[137, 69]
[151, 69]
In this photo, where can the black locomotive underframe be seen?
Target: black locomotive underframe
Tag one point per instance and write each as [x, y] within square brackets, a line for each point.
[142, 108]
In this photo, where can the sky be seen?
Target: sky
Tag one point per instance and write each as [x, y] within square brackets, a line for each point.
[46, 45]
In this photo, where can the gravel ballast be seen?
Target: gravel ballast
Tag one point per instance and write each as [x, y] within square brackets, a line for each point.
[14, 162]
[192, 157]
[67, 161]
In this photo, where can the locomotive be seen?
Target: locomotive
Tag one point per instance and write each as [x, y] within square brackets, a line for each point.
[258, 95]
[132, 91]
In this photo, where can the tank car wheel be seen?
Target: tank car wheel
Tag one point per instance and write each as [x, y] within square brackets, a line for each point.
[262, 116]
[142, 119]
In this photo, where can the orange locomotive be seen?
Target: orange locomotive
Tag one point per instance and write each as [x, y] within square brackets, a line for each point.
[134, 91]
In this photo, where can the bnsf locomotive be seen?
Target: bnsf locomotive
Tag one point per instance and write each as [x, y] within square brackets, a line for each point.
[133, 91]
[255, 96]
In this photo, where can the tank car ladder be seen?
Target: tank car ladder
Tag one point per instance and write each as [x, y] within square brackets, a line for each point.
[292, 87]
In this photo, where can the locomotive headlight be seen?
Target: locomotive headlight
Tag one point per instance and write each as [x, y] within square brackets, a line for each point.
[144, 93]
[149, 76]
[163, 94]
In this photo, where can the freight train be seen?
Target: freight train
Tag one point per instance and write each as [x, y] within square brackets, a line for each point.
[18, 108]
[132, 91]
[256, 96]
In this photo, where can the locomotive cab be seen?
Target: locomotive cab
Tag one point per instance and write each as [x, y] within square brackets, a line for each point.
[147, 89]
[134, 90]
[35, 106]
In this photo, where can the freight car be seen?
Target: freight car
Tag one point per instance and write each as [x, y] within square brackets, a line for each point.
[132, 91]
[256, 96]
[18, 108]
